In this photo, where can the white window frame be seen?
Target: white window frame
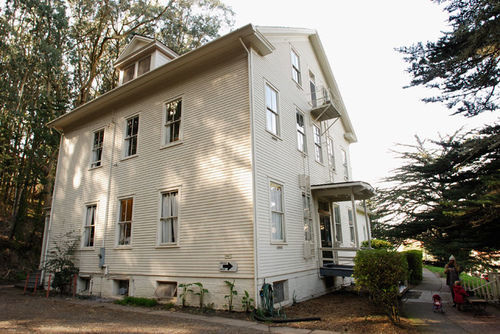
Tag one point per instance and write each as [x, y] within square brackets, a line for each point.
[337, 219]
[96, 163]
[150, 56]
[351, 225]
[119, 222]
[301, 132]
[278, 212]
[89, 226]
[314, 95]
[345, 164]
[307, 216]
[167, 124]
[127, 139]
[270, 112]
[318, 149]
[162, 218]
[295, 67]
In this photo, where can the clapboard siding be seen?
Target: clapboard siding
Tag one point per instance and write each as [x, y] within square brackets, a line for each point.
[278, 159]
[211, 167]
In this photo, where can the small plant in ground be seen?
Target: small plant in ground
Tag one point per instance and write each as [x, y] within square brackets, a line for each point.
[137, 301]
[184, 293]
[209, 307]
[201, 292]
[232, 293]
[247, 302]
[168, 306]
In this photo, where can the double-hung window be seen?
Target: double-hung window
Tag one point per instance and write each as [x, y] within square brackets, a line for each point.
[331, 153]
[301, 132]
[312, 86]
[89, 228]
[295, 67]
[125, 221]
[169, 219]
[97, 148]
[338, 223]
[144, 65]
[277, 214]
[345, 165]
[173, 121]
[318, 152]
[128, 73]
[351, 225]
[131, 136]
[272, 115]
[306, 205]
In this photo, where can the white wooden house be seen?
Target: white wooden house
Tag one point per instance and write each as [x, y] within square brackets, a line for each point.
[230, 162]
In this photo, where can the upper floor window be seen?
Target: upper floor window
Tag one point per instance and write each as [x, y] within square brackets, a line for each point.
[169, 217]
[173, 121]
[272, 110]
[345, 165]
[89, 228]
[295, 67]
[301, 132]
[144, 65]
[318, 152]
[131, 136]
[125, 221]
[331, 153]
[312, 86]
[97, 148]
[128, 73]
[277, 214]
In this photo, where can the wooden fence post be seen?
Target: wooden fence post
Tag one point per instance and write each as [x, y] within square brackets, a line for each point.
[36, 282]
[48, 286]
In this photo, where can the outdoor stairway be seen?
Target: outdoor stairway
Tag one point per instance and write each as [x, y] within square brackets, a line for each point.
[29, 284]
[331, 269]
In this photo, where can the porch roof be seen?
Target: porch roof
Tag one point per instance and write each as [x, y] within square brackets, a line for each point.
[341, 191]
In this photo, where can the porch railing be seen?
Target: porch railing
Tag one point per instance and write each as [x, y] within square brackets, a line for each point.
[335, 257]
[488, 290]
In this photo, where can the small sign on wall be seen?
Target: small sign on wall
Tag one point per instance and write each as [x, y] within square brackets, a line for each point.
[228, 266]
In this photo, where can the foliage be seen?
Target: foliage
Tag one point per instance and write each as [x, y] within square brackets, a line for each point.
[379, 272]
[229, 297]
[414, 260]
[201, 292]
[378, 244]
[463, 64]
[168, 306]
[447, 195]
[184, 293]
[60, 262]
[247, 302]
[137, 301]
[437, 270]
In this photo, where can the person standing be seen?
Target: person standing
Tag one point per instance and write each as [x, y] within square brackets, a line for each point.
[452, 271]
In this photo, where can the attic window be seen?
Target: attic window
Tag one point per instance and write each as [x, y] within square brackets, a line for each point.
[128, 73]
[144, 65]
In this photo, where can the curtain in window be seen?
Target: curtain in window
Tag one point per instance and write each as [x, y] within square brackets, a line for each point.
[169, 217]
[277, 212]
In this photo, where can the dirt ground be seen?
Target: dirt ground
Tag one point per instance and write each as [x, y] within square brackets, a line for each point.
[342, 312]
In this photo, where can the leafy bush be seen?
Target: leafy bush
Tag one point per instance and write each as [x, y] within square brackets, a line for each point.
[229, 297]
[60, 262]
[414, 259]
[379, 272]
[377, 244]
[137, 301]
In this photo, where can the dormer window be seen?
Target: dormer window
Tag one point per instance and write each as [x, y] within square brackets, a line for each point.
[136, 69]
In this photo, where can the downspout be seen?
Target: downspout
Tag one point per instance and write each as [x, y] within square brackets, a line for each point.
[43, 259]
[254, 182]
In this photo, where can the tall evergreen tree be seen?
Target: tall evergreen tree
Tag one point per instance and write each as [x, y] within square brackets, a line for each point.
[464, 63]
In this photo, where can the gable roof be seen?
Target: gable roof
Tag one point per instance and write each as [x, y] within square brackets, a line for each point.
[140, 44]
[319, 51]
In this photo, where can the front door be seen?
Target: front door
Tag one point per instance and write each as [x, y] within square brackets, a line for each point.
[325, 226]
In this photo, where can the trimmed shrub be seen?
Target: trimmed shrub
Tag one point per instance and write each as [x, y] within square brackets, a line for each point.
[414, 259]
[137, 301]
[377, 244]
[379, 272]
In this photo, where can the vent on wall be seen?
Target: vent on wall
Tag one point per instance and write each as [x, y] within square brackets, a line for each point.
[166, 289]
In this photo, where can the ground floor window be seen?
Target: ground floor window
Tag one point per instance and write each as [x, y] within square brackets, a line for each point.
[279, 291]
[121, 287]
[166, 289]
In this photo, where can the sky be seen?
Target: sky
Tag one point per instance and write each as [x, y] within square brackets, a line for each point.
[359, 38]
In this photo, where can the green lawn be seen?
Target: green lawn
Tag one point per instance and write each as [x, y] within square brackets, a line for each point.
[466, 278]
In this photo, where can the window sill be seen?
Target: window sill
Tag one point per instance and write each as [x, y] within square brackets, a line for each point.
[175, 143]
[96, 167]
[279, 243]
[320, 163]
[167, 246]
[274, 136]
[298, 84]
[86, 249]
[129, 157]
[304, 154]
[127, 247]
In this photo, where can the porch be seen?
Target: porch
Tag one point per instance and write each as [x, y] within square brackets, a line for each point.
[335, 258]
